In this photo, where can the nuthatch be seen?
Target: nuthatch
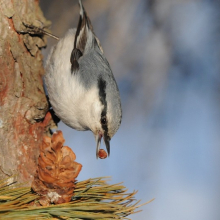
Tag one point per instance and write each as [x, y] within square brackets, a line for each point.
[81, 87]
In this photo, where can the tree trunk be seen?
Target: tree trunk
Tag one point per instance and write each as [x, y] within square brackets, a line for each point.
[23, 104]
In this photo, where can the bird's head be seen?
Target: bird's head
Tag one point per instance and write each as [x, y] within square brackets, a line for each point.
[110, 114]
[104, 113]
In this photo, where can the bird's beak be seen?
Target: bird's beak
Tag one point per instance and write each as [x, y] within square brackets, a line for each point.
[107, 144]
[98, 143]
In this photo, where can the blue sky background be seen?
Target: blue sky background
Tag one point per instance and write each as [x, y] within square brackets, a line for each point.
[165, 58]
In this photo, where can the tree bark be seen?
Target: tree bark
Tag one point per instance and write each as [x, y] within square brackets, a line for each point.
[23, 103]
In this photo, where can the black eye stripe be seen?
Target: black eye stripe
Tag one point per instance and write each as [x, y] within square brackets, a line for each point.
[102, 97]
[102, 91]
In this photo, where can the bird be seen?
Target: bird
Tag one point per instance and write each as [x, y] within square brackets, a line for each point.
[81, 87]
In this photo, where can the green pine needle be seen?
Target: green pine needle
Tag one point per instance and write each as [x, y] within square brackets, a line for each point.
[92, 199]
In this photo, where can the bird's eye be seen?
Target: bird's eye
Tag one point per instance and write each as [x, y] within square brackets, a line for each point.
[103, 120]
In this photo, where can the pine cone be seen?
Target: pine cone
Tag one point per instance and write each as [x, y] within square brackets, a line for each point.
[56, 171]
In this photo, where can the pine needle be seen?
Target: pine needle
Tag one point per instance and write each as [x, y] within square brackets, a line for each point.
[93, 199]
